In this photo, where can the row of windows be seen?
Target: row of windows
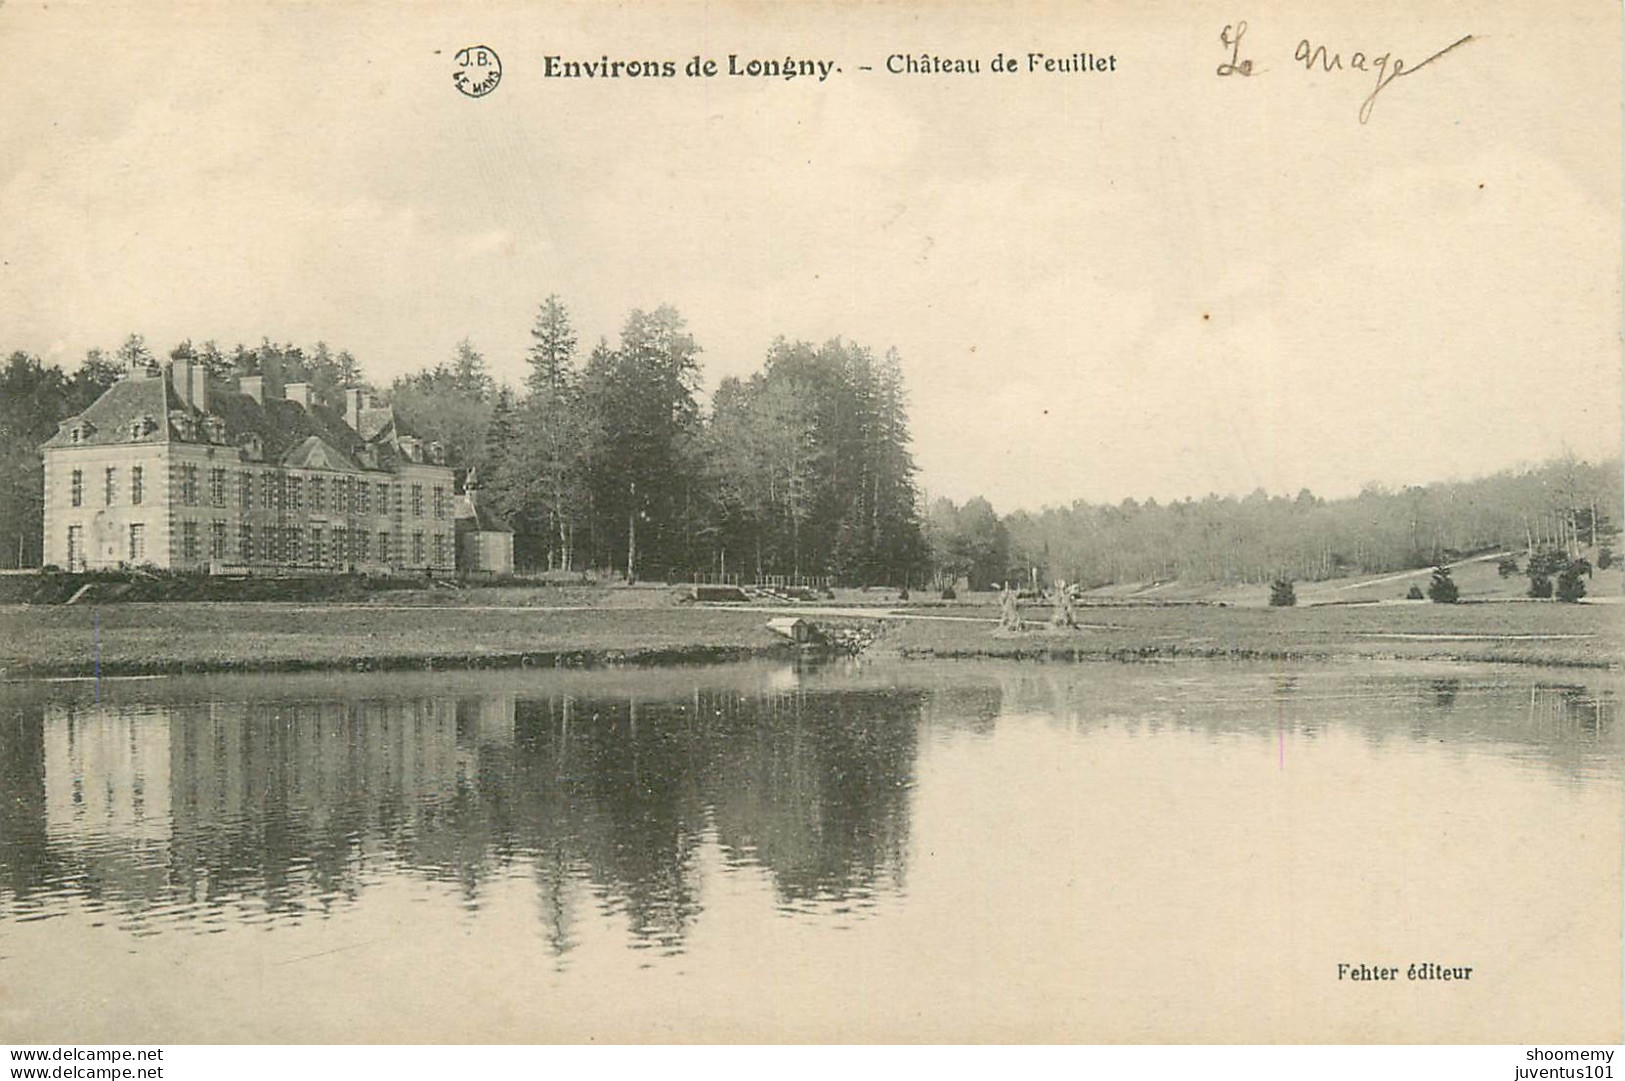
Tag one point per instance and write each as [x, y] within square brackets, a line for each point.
[316, 546]
[346, 495]
[329, 547]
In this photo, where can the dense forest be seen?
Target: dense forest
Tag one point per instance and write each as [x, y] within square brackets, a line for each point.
[606, 459]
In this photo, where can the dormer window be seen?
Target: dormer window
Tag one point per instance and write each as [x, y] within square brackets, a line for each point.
[184, 427]
[252, 447]
[142, 427]
[80, 430]
[215, 429]
[437, 453]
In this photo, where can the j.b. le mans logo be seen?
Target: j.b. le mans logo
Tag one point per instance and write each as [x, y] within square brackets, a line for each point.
[477, 70]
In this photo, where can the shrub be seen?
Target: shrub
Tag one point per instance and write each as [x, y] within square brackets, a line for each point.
[1605, 558]
[1547, 561]
[1540, 586]
[1442, 590]
[1507, 567]
[1282, 594]
[1415, 594]
[948, 593]
[1571, 585]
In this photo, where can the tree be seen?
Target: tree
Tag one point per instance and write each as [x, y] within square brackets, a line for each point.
[1442, 590]
[553, 347]
[640, 451]
[968, 542]
[133, 354]
[449, 404]
[33, 398]
[1571, 586]
[812, 468]
[1282, 595]
[1540, 586]
[553, 433]
[95, 375]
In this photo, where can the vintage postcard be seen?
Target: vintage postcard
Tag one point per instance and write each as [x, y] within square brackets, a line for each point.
[811, 522]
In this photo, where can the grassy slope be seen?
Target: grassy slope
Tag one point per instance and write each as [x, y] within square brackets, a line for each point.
[1477, 579]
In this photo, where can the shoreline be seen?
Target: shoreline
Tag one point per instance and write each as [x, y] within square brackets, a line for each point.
[177, 638]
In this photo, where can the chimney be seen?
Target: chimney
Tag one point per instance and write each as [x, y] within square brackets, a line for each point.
[298, 392]
[352, 406]
[200, 387]
[180, 379]
[253, 386]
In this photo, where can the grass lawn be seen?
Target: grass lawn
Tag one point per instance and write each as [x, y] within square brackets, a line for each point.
[212, 636]
[1525, 633]
[217, 636]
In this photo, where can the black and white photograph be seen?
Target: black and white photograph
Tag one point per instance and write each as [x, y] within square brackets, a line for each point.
[818, 523]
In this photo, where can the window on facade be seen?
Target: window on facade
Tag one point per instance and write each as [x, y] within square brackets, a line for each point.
[361, 497]
[439, 548]
[217, 487]
[417, 548]
[383, 547]
[189, 491]
[245, 491]
[76, 545]
[138, 542]
[267, 484]
[78, 487]
[361, 538]
[318, 494]
[296, 493]
[138, 487]
[268, 545]
[293, 546]
[111, 486]
[439, 501]
[245, 543]
[189, 540]
[217, 541]
[417, 501]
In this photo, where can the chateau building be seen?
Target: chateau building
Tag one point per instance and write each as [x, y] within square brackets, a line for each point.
[170, 468]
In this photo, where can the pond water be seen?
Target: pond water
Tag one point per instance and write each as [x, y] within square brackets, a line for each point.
[924, 851]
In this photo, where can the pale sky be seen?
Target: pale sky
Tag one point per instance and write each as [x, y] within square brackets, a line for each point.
[1146, 282]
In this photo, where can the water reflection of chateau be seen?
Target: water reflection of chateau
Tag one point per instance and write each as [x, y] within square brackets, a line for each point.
[172, 812]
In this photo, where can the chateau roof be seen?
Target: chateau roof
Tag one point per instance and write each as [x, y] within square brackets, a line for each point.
[110, 418]
[294, 435]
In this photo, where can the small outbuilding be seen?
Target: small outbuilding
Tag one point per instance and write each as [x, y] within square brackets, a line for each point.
[484, 541]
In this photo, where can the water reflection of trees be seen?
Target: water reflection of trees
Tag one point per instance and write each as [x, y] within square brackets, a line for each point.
[1572, 727]
[289, 807]
[609, 803]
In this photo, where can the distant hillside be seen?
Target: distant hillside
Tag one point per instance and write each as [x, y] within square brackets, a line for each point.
[1477, 578]
[1566, 506]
